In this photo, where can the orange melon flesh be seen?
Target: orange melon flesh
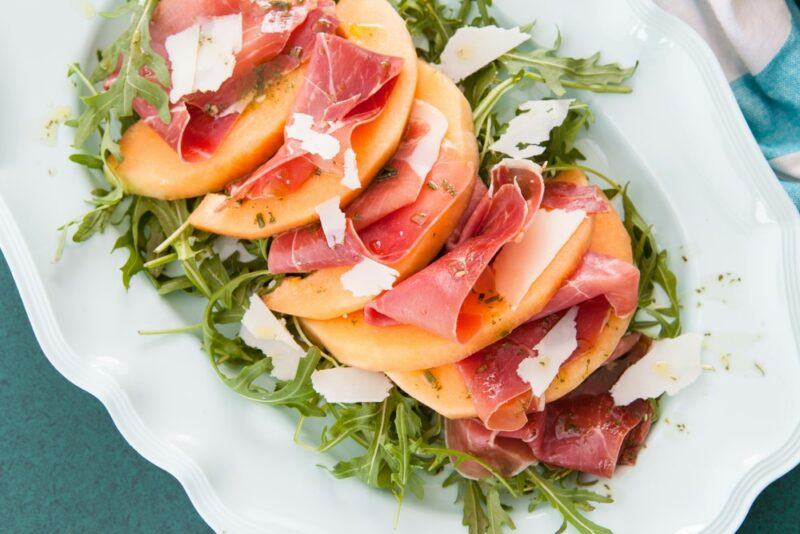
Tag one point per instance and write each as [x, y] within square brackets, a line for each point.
[443, 389]
[376, 26]
[150, 167]
[321, 295]
[408, 348]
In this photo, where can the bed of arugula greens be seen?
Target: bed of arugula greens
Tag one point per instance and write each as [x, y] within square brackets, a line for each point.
[401, 439]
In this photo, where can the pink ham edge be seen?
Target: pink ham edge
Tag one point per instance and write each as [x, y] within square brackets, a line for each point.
[345, 86]
[586, 433]
[395, 232]
[448, 281]
[306, 249]
[570, 197]
[597, 275]
[412, 162]
[432, 298]
[192, 132]
[508, 457]
[501, 398]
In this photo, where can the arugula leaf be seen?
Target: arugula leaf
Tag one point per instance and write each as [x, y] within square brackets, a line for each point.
[125, 60]
[559, 72]
[567, 501]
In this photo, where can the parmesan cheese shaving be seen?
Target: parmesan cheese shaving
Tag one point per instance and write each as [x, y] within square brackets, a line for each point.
[670, 366]
[528, 130]
[351, 179]
[182, 51]
[220, 41]
[368, 278]
[519, 264]
[203, 55]
[425, 154]
[302, 129]
[471, 48]
[265, 332]
[333, 221]
[349, 385]
[552, 351]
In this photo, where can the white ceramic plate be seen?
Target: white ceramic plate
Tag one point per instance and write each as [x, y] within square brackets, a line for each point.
[696, 173]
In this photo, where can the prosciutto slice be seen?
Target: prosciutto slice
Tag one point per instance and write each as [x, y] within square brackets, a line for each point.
[589, 434]
[597, 275]
[507, 456]
[583, 432]
[390, 217]
[502, 399]
[346, 86]
[570, 197]
[275, 39]
[434, 298]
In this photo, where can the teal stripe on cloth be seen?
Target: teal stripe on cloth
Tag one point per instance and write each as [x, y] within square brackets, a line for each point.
[770, 102]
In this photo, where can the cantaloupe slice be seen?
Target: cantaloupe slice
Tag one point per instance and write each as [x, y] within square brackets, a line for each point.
[408, 348]
[150, 167]
[443, 389]
[321, 295]
[375, 25]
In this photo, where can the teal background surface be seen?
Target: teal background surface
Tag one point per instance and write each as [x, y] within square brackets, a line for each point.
[65, 468]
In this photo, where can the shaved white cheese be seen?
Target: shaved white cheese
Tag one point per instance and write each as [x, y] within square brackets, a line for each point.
[369, 278]
[182, 51]
[203, 55]
[519, 264]
[552, 351]
[333, 221]
[670, 366]
[348, 384]
[220, 41]
[302, 129]
[226, 247]
[265, 332]
[471, 48]
[528, 130]
[426, 152]
[351, 179]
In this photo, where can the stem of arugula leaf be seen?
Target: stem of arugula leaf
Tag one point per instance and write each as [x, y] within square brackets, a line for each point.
[181, 330]
[462, 457]
[175, 235]
[163, 260]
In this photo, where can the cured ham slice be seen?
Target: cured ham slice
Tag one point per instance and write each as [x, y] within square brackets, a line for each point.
[405, 174]
[585, 433]
[569, 196]
[275, 39]
[507, 456]
[433, 298]
[501, 397]
[392, 214]
[598, 274]
[590, 434]
[346, 86]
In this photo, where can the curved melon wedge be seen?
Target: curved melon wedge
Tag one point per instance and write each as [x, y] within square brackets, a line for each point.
[321, 295]
[375, 25]
[407, 348]
[443, 389]
[151, 168]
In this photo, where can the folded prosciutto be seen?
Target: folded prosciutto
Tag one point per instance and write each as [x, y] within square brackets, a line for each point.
[346, 86]
[434, 298]
[501, 397]
[389, 218]
[584, 431]
[219, 54]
